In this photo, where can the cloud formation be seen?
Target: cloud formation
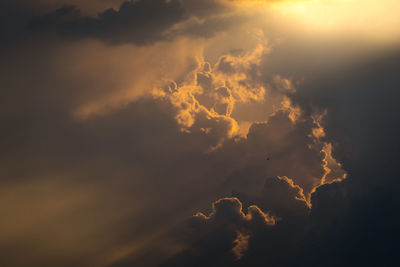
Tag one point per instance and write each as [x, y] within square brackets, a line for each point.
[222, 237]
[120, 126]
[346, 219]
[139, 22]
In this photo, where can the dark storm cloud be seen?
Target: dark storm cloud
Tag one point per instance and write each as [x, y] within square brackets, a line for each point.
[82, 179]
[351, 223]
[109, 188]
[118, 166]
[13, 20]
[137, 155]
[361, 101]
[276, 148]
[362, 122]
[214, 240]
[282, 146]
[281, 197]
[140, 22]
[94, 185]
[213, 237]
[279, 146]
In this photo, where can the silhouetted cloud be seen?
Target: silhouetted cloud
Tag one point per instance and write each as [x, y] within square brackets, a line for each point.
[109, 148]
[352, 222]
[140, 22]
[221, 238]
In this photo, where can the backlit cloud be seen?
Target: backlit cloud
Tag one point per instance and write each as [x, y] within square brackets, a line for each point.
[199, 133]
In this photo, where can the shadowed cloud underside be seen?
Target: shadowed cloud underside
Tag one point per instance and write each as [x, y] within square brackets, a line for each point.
[199, 133]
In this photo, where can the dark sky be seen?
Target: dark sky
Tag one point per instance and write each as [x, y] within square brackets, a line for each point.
[199, 133]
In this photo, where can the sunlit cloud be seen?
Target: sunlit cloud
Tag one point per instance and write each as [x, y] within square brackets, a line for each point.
[199, 133]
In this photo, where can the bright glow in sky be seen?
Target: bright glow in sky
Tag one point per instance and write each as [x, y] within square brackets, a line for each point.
[369, 18]
[199, 132]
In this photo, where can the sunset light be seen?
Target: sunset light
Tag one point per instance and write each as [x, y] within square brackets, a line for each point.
[199, 133]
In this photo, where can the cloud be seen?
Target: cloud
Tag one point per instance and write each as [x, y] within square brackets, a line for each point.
[360, 122]
[124, 155]
[223, 235]
[207, 96]
[138, 22]
[88, 78]
[281, 197]
[347, 219]
[99, 172]
[287, 144]
[278, 147]
[270, 232]
[127, 153]
[133, 152]
[137, 149]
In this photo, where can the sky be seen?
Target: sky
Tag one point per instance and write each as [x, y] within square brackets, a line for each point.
[199, 133]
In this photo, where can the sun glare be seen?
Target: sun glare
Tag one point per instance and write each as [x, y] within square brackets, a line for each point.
[370, 18]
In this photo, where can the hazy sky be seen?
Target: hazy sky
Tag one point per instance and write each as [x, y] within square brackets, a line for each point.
[199, 133]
